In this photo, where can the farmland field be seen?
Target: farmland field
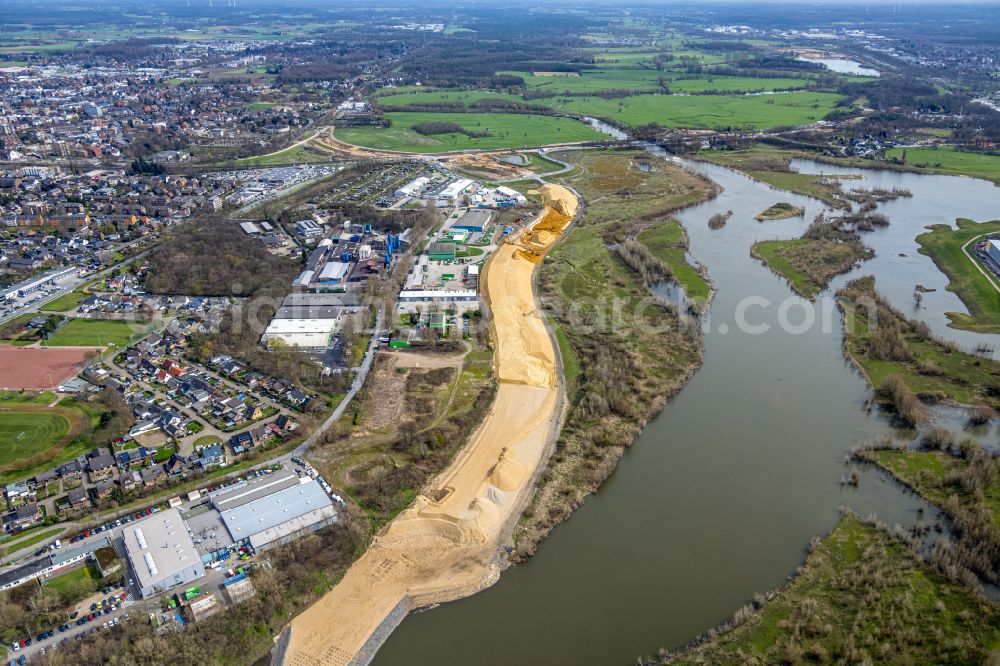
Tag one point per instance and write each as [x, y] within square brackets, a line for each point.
[706, 111]
[949, 161]
[649, 80]
[506, 130]
[24, 434]
[93, 333]
[467, 97]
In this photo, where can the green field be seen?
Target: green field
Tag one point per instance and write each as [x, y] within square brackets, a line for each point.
[649, 80]
[706, 111]
[466, 97]
[37, 538]
[770, 254]
[978, 291]
[930, 474]
[862, 590]
[696, 111]
[539, 163]
[94, 333]
[932, 370]
[66, 302]
[668, 241]
[947, 160]
[296, 154]
[771, 165]
[809, 263]
[507, 130]
[85, 576]
[25, 434]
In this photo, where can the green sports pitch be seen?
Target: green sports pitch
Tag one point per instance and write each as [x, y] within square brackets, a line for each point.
[25, 434]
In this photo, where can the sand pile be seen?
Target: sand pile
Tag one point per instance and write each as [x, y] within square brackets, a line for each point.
[445, 548]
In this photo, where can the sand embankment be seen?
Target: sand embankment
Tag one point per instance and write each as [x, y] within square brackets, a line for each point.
[446, 545]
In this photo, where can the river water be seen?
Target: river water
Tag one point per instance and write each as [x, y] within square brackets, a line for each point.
[721, 493]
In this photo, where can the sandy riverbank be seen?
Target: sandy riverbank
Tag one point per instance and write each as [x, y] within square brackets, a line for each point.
[446, 545]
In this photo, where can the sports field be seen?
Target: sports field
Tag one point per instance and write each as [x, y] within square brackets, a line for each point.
[24, 434]
[94, 333]
[37, 368]
[506, 130]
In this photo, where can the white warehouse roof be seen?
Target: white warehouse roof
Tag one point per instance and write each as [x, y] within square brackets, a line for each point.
[310, 333]
[456, 188]
[334, 270]
[159, 547]
[275, 509]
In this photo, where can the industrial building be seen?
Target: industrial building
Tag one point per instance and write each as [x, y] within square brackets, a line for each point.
[511, 195]
[473, 221]
[37, 282]
[309, 229]
[304, 279]
[454, 189]
[249, 228]
[309, 312]
[413, 188]
[993, 249]
[274, 509]
[348, 301]
[442, 251]
[160, 553]
[304, 333]
[333, 273]
[444, 296]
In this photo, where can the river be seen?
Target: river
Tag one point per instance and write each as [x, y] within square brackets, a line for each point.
[721, 493]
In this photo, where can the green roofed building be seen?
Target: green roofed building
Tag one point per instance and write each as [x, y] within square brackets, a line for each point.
[442, 251]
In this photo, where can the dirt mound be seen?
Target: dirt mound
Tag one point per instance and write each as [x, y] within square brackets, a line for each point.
[444, 545]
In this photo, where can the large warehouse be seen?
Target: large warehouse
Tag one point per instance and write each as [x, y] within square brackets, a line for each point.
[304, 333]
[160, 553]
[274, 509]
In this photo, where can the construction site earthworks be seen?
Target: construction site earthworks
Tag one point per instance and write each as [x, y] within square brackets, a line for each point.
[448, 544]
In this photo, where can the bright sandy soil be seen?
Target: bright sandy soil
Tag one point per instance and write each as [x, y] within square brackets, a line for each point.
[447, 544]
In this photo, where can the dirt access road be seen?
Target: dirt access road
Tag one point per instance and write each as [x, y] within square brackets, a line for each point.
[448, 544]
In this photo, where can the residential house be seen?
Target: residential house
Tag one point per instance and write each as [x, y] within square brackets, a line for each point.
[151, 475]
[176, 466]
[130, 481]
[284, 422]
[18, 493]
[125, 459]
[100, 467]
[21, 517]
[71, 471]
[76, 498]
[102, 489]
[42, 479]
[241, 442]
[212, 456]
